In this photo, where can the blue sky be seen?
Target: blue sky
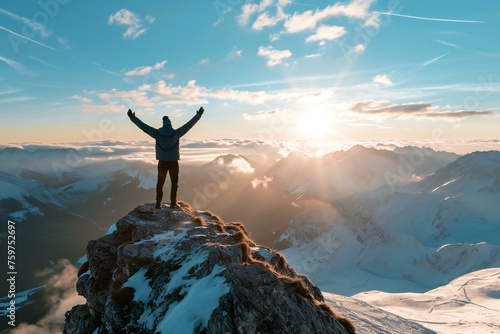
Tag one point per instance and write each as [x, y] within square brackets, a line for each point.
[319, 70]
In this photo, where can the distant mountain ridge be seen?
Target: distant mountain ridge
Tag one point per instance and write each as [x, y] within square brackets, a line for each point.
[355, 171]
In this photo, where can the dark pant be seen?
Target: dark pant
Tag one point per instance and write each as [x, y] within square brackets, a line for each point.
[164, 167]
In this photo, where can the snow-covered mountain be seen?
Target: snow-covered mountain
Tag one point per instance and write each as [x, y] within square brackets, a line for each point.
[417, 238]
[355, 171]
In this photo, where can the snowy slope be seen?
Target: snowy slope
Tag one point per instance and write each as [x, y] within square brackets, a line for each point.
[96, 177]
[468, 304]
[18, 188]
[21, 197]
[370, 319]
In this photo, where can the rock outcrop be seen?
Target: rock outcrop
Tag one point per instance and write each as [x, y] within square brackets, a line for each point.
[184, 271]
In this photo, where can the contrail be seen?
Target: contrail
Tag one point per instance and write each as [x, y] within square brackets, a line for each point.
[14, 64]
[35, 25]
[29, 39]
[427, 63]
[448, 44]
[429, 18]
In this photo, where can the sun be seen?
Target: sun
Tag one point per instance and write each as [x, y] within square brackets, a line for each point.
[315, 124]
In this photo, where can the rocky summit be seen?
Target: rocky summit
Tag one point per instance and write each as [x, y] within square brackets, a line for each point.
[185, 271]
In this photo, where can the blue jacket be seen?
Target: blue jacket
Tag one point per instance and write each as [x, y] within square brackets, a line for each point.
[167, 138]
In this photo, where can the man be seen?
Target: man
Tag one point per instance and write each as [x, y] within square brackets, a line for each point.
[167, 151]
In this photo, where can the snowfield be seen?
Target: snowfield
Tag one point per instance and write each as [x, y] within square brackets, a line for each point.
[467, 305]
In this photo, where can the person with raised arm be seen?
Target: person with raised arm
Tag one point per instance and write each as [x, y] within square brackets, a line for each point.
[167, 151]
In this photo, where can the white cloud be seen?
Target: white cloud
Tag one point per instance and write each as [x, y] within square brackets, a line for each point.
[301, 21]
[260, 114]
[308, 20]
[360, 48]
[161, 93]
[237, 166]
[135, 27]
[354, 9]
[250, 8]
[275, 36]
[133, 97]
[274, 57]
[144, 87]
[327, 33]
[145, 70]
[82, 99]
[247, 10]
[373, 20]
[382, 79]
[60, 296]
[314, 55]
[188, 95]
[284, 3]
[234, 54]
[263, 182]
[264, 20]
[204, 61]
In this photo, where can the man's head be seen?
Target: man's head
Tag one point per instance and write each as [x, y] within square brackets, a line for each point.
[166, 120]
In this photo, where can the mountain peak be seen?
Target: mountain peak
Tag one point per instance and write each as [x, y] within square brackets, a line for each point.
[187, 271]
[477, 171]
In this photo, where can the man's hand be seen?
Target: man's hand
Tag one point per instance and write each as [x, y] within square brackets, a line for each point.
[130, 113]
[200, 111]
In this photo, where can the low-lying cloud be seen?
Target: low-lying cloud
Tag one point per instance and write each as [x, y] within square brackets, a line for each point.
[262, 182]
[60, 296]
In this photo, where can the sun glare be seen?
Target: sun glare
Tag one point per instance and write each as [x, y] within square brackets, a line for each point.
[315, 124]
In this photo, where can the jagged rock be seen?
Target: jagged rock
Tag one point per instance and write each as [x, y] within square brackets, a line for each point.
[185, 271]
[79, 320]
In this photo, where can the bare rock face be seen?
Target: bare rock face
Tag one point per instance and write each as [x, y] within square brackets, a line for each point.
[184, 271]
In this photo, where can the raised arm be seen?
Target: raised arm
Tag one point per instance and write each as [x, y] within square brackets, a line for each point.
[186, 127]
[141, 125]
